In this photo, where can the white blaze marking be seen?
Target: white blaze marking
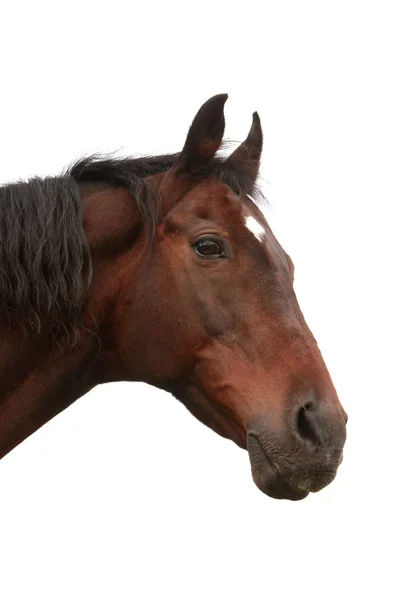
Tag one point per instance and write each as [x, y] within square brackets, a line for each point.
[255, 227]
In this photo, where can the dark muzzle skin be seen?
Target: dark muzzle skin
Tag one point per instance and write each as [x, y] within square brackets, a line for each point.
[305, 457]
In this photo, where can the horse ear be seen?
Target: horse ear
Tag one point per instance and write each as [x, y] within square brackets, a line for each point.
[247, 156]
[205, 134]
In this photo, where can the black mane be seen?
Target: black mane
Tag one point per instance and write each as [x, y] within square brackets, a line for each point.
[130, 172]
[43, 253]
[45, 266]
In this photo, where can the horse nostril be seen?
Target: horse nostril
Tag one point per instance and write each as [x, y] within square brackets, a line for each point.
[306, 424]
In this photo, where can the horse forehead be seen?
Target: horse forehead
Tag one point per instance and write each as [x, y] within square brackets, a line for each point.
[209, 200]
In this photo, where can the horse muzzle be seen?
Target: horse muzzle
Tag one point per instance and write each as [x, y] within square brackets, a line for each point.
[305, 459]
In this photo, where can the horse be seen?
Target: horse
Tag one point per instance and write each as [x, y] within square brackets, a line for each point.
[163, 269]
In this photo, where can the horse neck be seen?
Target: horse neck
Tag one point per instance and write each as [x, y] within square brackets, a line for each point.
[37, 382]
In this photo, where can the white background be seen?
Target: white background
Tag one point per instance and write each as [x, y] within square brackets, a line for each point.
[126, 495]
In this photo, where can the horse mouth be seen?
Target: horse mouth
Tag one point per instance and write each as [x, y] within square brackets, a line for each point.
[282, 484]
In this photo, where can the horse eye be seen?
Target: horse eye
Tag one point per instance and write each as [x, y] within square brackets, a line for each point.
[209, 248]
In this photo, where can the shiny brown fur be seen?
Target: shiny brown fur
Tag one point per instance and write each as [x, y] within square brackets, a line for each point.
[223, 333]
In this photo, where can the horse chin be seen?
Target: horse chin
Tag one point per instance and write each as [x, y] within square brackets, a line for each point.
[273, 486]
[267, 476]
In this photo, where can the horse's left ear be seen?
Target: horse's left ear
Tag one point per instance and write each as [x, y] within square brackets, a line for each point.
[247, 156]
[205, 134]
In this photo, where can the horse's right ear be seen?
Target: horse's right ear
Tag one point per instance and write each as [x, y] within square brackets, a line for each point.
[205, 135]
